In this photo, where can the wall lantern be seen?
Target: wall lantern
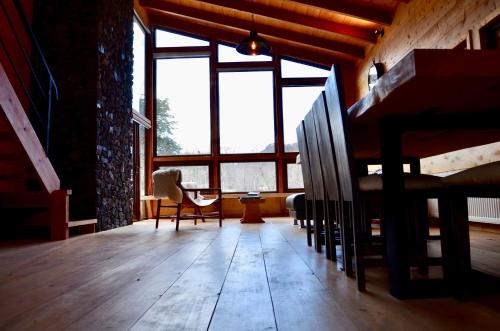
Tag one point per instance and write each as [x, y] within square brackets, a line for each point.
[375, 71]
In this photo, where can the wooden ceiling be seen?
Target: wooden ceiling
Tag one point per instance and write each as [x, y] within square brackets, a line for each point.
[320, 31]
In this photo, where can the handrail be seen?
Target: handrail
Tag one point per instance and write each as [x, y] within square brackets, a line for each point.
[44, 118]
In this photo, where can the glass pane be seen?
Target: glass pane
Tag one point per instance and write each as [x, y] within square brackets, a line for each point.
[193, 176]
[294, 176]
[183, 106]
[248, 176]
[229, 54]
[297, 101]
[246, 109]
[138, 85]
[170, 39]
[291, 69]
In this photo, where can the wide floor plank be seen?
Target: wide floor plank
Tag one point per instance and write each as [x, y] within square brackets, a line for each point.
[245, 303]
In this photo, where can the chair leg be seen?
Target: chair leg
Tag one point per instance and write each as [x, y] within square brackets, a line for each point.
[318, 222]
[158, 213]
[358, 250]
[345, 229]
[178, 217]
[219, 204]
[455, 243]
[201, 214]
[328, 225]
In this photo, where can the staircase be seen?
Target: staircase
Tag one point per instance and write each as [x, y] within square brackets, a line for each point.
[27, 179]
[30, 191]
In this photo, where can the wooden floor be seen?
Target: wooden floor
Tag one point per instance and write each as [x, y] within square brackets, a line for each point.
[239, 277]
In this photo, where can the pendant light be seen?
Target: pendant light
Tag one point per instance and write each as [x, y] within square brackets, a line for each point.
[253, 45]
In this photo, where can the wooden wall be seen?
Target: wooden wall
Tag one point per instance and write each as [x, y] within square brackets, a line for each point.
[232, 208]
[427, 24]
[434, 24]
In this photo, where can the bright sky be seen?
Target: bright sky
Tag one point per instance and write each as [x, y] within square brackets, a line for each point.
[139, 65]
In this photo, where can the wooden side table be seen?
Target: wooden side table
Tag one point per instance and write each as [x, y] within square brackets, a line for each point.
[251, 211]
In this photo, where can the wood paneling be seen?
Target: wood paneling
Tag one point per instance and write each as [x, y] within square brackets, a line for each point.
[427, 24]
[434, 24]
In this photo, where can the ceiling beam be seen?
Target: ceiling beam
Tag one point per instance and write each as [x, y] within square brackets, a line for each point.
[298, 18]
[264, 29]
[230, 35]
[351, 8]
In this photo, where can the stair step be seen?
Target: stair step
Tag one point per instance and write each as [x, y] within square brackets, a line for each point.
[24, 200]
[13, 167]
[4, 126]
[9, 146]
[72, 224]
[16, 185]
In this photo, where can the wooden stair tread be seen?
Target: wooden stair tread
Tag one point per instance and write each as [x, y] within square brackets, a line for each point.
[13, 167]
[81, 222]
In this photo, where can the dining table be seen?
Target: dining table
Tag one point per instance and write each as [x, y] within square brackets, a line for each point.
[431, 102]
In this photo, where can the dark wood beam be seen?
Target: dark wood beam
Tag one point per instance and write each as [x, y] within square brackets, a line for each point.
[298, 18]
[233, 36]
[267, 30]
[351, 8]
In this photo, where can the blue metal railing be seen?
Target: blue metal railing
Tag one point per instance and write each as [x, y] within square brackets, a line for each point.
[42, 88]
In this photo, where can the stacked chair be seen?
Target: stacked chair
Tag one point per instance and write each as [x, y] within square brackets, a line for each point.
[314, 207]
[344, 197]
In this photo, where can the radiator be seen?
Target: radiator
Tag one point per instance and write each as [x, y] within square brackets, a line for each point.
[484, 210]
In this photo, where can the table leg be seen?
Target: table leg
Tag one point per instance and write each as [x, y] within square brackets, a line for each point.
[393, 210]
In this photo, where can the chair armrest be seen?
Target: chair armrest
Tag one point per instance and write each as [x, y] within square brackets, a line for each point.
[204, 191]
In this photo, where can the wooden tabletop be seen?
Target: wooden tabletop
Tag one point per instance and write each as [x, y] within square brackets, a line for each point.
[430, 83]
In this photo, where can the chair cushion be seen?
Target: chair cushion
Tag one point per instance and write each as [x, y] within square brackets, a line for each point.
[486, 174]
[295, 201]
[412, 182]
[165, 185]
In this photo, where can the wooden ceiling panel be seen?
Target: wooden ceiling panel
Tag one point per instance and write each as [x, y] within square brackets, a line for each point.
[233, 36]
[340, 29]
[284, 14]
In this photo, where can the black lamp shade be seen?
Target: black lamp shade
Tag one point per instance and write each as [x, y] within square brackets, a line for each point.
[253, 45]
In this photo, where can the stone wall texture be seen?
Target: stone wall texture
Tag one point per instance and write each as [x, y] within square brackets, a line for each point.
[88, 44]
[114, 113]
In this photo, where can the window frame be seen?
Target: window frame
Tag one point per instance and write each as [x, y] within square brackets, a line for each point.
[215, 159]
[161, 54]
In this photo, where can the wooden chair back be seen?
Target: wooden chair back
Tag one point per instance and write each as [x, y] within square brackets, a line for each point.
[339, 122]
[315, 161]
[333, 217]
[319, 204]
[326, 151]
[352, 212]
[304, 161]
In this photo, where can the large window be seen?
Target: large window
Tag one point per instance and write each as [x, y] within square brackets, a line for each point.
[183, 106]
[248, 176]
[246, 106]
[292, 69]
[192, 176]
[138, 85]
[171, 39]
[230, 121]
[294, 176]
[229, 54]
[297, 101]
